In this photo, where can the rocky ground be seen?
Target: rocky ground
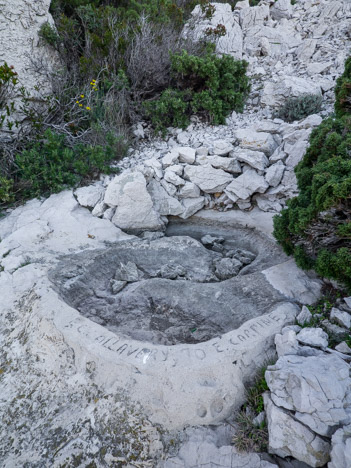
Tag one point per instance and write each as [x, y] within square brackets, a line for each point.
[183, 234]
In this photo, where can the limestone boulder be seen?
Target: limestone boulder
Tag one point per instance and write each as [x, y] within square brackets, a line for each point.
[246, 185]
[276, 93]
[186, 154]
[290, 438]
[189, 190]
[209, 179]
[231, 42]
[231, 165]
[164, 204]
[316, 388]
[135, 210]
[340, 454]
[256, 159]
[274, 42]
[256, 141]
[89, 196]
[253, 16]
[275, 173]
[192, 206]
[281, 9]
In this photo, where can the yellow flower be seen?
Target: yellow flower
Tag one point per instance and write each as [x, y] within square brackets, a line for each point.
[80, 105]
[88, 108]
[77, 102]
[82, 95]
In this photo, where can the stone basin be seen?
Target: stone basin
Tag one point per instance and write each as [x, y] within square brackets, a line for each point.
[152, 316]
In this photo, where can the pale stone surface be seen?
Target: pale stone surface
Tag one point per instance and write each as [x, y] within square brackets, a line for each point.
[170, 158]
[343, 347]
[222, 147]
[253, 16]
[316, 388]
[231, 43]
[304, 316]
[340, 317]
[227, 164]
[257, 141]
[189, 190]
[134, 206]
[255, 159]
[281, 9]
[276, 93]
[186, 154]
[192, 206]
[293, 283]
[340, 454]
[275, 173]
[313, 337]
[209, 180]
[163, 203]
[203, 448]
[288, 437]
[245, 185]
[89, 196]
[286, 343]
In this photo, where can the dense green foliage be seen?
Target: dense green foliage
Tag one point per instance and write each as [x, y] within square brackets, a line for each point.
[316, 226]
[49, 165]
[208, 85]
[300, 107]
[343, 91]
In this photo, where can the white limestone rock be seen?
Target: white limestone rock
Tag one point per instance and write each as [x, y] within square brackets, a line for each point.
[189, 190]
[313, 337]
[293, 283]
[171, 176]
[281, 9]
[316, 388]
[343, 347]
[256, 141]
[170, 158]
[306, 49]
[164, 204]
[276, 93]
[274, 174]
[304, 316]
[265, 204]
[253, 16]
[340, 455]
[280, 39]
[135, 211]
[295, 153]
[89, 196]
[192, 206]
[186, 154]
[246, 185]
[286, 343]
[340, 317]
[348, 301]
[231, 43]
[209, 180]
[222, 147]
[289, 438]
[156, 165]
[255, 159]
[231, 165]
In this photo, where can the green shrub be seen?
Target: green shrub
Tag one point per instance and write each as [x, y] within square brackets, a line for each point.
[209, 86]
[300, 107]
[343, 91]
[50, 165]
[315, 227]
